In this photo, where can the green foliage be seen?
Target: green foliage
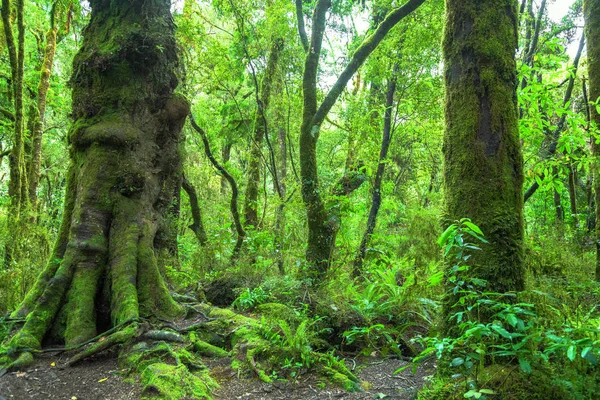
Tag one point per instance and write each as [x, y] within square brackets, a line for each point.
[495, 328]
[249, 299]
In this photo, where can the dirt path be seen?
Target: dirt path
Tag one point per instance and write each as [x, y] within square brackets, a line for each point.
[101, 379]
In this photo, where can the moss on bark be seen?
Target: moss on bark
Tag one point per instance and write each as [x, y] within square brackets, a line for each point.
[483, 170]
[124, 181]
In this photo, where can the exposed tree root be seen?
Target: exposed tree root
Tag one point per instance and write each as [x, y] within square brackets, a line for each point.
[169, 363]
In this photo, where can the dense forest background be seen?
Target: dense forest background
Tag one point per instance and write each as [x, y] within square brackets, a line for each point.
[333, 234]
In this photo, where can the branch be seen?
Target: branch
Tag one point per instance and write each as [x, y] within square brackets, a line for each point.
[301, 27]
[7, 114]
[361, 54]
[234, 188]
[309, 82]
[197, 227]
[536, 35]
[349, 183]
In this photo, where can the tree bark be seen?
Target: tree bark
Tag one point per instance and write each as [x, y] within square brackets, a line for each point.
[591, 11]
[17, 187]
[123, 185]
[483, 174]
[376, 197]
[233, 205]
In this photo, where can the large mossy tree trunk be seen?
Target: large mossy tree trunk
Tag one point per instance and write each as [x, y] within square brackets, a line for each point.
[591, 11]
[123, 186]
[483, 171]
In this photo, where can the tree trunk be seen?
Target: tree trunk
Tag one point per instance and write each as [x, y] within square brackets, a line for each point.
[17, 187]
[376, 197]
[197, 225]
[251, 201]
[483, 174]
[280, 218]
[38, 123]
[122, 201]
[226, 156]
[591, 13]
[573, 194]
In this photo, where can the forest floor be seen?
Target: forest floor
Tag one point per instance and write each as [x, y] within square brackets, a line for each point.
[101, 379]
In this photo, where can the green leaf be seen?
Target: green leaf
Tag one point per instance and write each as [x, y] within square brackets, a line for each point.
[525, 365]
[501, 331]
[572, 352]
[487, 391]
[447, 233]
[585, 352]
[511, 319]
[473, 227]
[457, 362]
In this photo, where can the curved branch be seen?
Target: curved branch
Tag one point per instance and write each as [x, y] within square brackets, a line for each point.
[234, 188]
[361, 54]
[197, 227]
[301, 27]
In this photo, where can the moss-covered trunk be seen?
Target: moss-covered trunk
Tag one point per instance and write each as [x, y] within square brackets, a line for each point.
[37, 131]
[124, 179]
[591, 10]
[17, 186]
[483, 171]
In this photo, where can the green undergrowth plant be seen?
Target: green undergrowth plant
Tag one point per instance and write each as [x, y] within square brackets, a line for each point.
[500, 335]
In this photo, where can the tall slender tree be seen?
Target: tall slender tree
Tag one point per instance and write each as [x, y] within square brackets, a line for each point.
[483, 170]
[323, 225]
[591, 12]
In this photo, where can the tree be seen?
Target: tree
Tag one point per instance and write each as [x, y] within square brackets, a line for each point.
[591, 11]
[483, 172]
[322, 224]
[122, 195]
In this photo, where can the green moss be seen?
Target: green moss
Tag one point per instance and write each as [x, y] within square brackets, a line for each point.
[483, 161]
[278, 311]
[206, 349]
[174, 382]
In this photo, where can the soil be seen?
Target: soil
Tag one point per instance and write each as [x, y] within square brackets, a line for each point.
[101, 378]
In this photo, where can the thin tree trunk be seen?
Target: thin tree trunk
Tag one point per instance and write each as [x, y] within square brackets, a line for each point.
[573, 194]
[38, 123]
[226, 156]
[17, 186]
[233, 205]
[251, 198]
[280, 217]
[376, 197]
[591, 11]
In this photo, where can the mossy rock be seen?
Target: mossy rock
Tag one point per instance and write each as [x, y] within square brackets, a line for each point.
[165, 381]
